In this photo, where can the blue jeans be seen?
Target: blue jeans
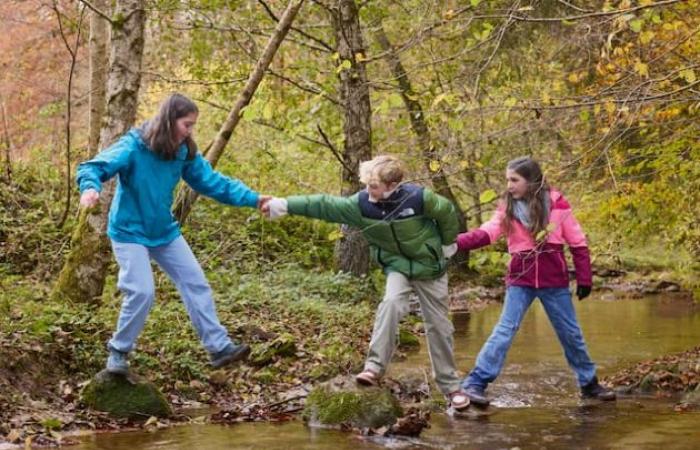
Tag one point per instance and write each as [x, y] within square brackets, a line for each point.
[560, 310]
[136, 283]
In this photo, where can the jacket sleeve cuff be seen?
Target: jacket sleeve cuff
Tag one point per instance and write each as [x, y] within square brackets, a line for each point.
[85, 185]
[473, 239]
[582, 264]
[252, 199]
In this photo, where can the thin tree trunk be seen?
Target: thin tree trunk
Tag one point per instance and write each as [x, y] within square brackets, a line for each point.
[351, 250]
[418, 124]
[99, 62]
[187, 196]
[83, 274]
[73, 51]
[8, 143]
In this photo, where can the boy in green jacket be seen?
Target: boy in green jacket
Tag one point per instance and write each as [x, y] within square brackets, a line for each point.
[409, 229]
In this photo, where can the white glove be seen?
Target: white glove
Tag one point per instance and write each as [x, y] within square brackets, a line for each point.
[277, 207]
[449, 250]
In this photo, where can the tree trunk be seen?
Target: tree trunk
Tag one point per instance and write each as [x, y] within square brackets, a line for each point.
[418, 124]
[6, 143]
[351, 251]
[99, 62]
[83, 274]
[187, 196]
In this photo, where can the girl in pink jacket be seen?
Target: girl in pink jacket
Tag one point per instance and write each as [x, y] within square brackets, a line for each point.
[537, 221]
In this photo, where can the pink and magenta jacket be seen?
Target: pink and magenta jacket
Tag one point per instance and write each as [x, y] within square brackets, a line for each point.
[532, 265]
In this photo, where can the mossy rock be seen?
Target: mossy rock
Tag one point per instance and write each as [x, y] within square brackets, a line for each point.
[408, 340]
[122, 396]
[283, 345]
[340, 402]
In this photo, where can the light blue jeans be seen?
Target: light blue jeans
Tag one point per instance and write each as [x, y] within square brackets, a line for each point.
[560, 310]
[136, 284]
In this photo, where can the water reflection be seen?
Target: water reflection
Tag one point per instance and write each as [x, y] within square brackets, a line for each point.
[536, 395]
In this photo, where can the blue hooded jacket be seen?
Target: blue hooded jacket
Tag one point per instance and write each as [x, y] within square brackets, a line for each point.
[141, 207]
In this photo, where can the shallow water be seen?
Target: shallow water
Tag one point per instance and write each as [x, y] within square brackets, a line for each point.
[536, 399]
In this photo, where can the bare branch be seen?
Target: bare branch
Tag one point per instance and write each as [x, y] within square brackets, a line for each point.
[418, 36]
[615, 12]
[334, 150]
[161, 77]
[73, 54]
[301, 32]
[304, 88]
[497, 45]
[97, 11]
[564, 2]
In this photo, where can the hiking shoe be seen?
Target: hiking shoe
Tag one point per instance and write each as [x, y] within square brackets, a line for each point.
[459, 400]
[476, 395]
[231, 353]
[367, 378]
[117, 362]
[597, 391]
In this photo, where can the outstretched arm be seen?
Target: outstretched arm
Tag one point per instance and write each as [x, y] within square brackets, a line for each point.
[486, 234]
[326, 207]
[200, 175]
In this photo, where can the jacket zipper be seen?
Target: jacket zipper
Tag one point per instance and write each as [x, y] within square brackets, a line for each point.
[398, 245]
[537, 270]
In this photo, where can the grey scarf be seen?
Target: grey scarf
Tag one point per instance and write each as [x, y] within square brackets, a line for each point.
[521, 210]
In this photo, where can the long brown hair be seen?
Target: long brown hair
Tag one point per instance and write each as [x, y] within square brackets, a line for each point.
[159, 132]
[536, 196]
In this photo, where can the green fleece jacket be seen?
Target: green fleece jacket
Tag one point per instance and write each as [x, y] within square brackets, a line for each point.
[406, 232]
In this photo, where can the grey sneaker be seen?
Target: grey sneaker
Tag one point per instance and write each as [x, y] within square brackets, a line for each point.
[476, 395]
[117, 362]
[231, 353]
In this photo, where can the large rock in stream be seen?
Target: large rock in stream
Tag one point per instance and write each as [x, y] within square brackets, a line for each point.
[121, 396]
[341, 402]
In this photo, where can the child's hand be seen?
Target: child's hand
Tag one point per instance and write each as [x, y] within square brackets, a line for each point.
[276, 208]
[262, 203]
[449, 250]
[89, 198]
[583, 292]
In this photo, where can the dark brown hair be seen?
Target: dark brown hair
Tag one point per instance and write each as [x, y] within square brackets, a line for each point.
[159, 132]
[536, 195]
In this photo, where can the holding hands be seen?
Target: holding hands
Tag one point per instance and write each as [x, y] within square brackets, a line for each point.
[449, 250]
[274, 208]
[262, 202]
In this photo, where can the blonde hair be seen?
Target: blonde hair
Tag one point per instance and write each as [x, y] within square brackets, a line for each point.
[384, 168]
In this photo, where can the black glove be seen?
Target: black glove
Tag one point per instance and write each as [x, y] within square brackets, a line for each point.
[583, 292]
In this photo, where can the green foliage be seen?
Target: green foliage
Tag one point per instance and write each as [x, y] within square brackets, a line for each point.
[52, 423]
[30, 242]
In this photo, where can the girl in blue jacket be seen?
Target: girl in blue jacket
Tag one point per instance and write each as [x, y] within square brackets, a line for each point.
[148, 163]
